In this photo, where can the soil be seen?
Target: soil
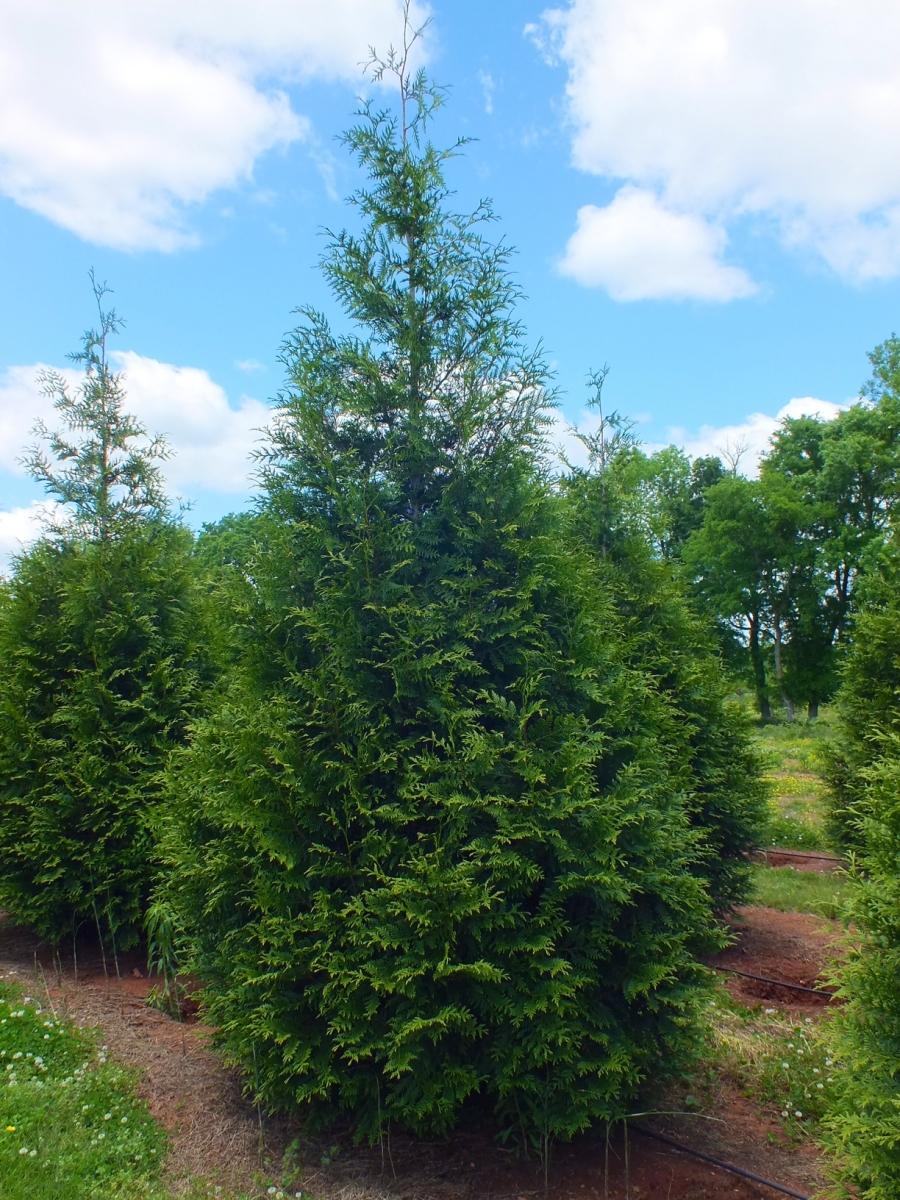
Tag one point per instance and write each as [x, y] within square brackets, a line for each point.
[799, 860]
[217, 1134]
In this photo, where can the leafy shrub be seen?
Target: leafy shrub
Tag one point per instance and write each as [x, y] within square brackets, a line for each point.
[868, 700]
[865, 1122]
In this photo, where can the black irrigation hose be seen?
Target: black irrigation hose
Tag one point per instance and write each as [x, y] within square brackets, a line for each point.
[794, 987]
[718, 1162]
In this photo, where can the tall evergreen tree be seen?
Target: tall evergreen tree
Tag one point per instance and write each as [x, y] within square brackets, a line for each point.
[864, 1124]
[664, 639]
[101, 659]
[431, 845]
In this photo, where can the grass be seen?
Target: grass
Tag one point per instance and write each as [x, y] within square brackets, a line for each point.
[788, 890]
[791, 754]
[70, 1122]
[779, 1060]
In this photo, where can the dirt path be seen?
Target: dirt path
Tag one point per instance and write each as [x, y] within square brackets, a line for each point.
[216, 1134]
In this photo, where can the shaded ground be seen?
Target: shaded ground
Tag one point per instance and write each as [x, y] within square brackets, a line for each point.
[217, 1135]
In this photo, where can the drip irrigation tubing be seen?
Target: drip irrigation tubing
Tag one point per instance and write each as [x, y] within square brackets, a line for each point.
[718, 1162]
[794, 987]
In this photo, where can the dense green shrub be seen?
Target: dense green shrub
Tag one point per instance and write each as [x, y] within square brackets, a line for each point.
[101, 660]
[676, 652]
[867, 703]
[434, 843]
[864, 776]
[865, 1122]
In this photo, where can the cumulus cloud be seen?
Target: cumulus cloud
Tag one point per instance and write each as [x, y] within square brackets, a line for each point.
[752, 435]
[728, 108]
[637, 249]
[115, 116]
[749, 439]
[211, 441]
[21, 526]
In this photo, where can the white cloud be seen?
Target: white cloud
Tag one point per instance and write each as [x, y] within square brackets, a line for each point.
[487, 86]
[115, 116]
[21, 526]
[725, 108]
[211, 441]
[639, 250]
[752, 434]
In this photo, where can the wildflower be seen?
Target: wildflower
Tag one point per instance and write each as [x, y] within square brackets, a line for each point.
[107, 1116]
[32, 1153]
[785, 1064]
[24, 1150]
[124, 1121]
[797, 1113]
[820, 1085]
[10, 1129]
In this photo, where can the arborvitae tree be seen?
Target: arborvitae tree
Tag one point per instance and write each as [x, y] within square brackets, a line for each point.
[101, 657]
[865, 768]
[665, 640]
[868, 701]
[433, 844]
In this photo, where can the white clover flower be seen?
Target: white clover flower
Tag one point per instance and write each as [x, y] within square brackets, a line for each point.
[107, 1116]
[32, 1153]
[124, 1121]
[797, 1113]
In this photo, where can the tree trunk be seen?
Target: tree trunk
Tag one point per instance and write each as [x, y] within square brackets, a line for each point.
[812, 710]
[759, 669]
[779, 671]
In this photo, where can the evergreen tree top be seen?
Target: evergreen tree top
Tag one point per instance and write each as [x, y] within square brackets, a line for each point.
[107, 478]
[436, 376]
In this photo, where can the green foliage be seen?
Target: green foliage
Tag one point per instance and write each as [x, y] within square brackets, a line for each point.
[432, 845]
[70, 1122]
[708, 739]
[865, 1122]
[102, 660]
[869, 700]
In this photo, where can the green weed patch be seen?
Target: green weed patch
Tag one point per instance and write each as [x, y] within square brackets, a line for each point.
[70, 1122]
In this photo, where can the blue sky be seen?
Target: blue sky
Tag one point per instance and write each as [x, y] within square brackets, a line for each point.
[702, 194]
